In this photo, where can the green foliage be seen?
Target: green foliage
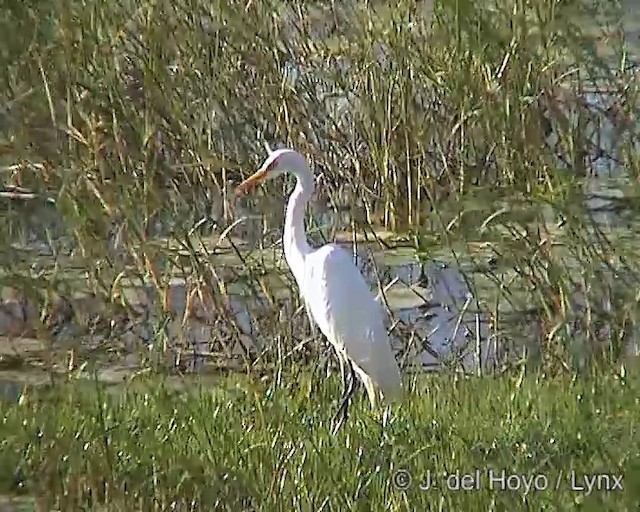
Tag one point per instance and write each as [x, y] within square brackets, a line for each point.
[252, 445]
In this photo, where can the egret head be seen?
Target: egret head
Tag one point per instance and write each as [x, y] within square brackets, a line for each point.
[278, 162]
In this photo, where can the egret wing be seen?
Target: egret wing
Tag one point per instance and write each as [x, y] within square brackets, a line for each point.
[346, 312]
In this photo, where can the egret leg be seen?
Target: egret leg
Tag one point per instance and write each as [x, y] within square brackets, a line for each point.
[343, 374]
[349, 389]
[322, 365]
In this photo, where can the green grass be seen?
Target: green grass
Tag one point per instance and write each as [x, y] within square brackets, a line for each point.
[260, 446]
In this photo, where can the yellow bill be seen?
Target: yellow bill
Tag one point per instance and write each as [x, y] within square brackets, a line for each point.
[251, 181]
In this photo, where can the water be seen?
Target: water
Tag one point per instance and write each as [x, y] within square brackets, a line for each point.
[438, 315]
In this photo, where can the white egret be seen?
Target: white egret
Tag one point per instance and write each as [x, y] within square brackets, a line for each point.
[334, 292]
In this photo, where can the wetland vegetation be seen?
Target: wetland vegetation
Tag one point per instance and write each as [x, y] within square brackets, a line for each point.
[482, 159]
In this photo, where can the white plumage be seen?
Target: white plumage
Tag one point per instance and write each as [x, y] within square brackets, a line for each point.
[341, 303]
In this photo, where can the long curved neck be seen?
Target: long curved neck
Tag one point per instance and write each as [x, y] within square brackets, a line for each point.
[294, 238]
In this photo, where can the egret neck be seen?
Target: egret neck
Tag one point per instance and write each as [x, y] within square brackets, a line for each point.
[294, 239]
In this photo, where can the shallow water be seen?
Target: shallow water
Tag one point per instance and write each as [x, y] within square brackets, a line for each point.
[438, 311]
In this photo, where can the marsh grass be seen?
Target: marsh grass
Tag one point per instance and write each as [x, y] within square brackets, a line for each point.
[135, 119]
[258, 445]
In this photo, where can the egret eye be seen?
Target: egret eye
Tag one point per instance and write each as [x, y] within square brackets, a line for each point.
[272, 165]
